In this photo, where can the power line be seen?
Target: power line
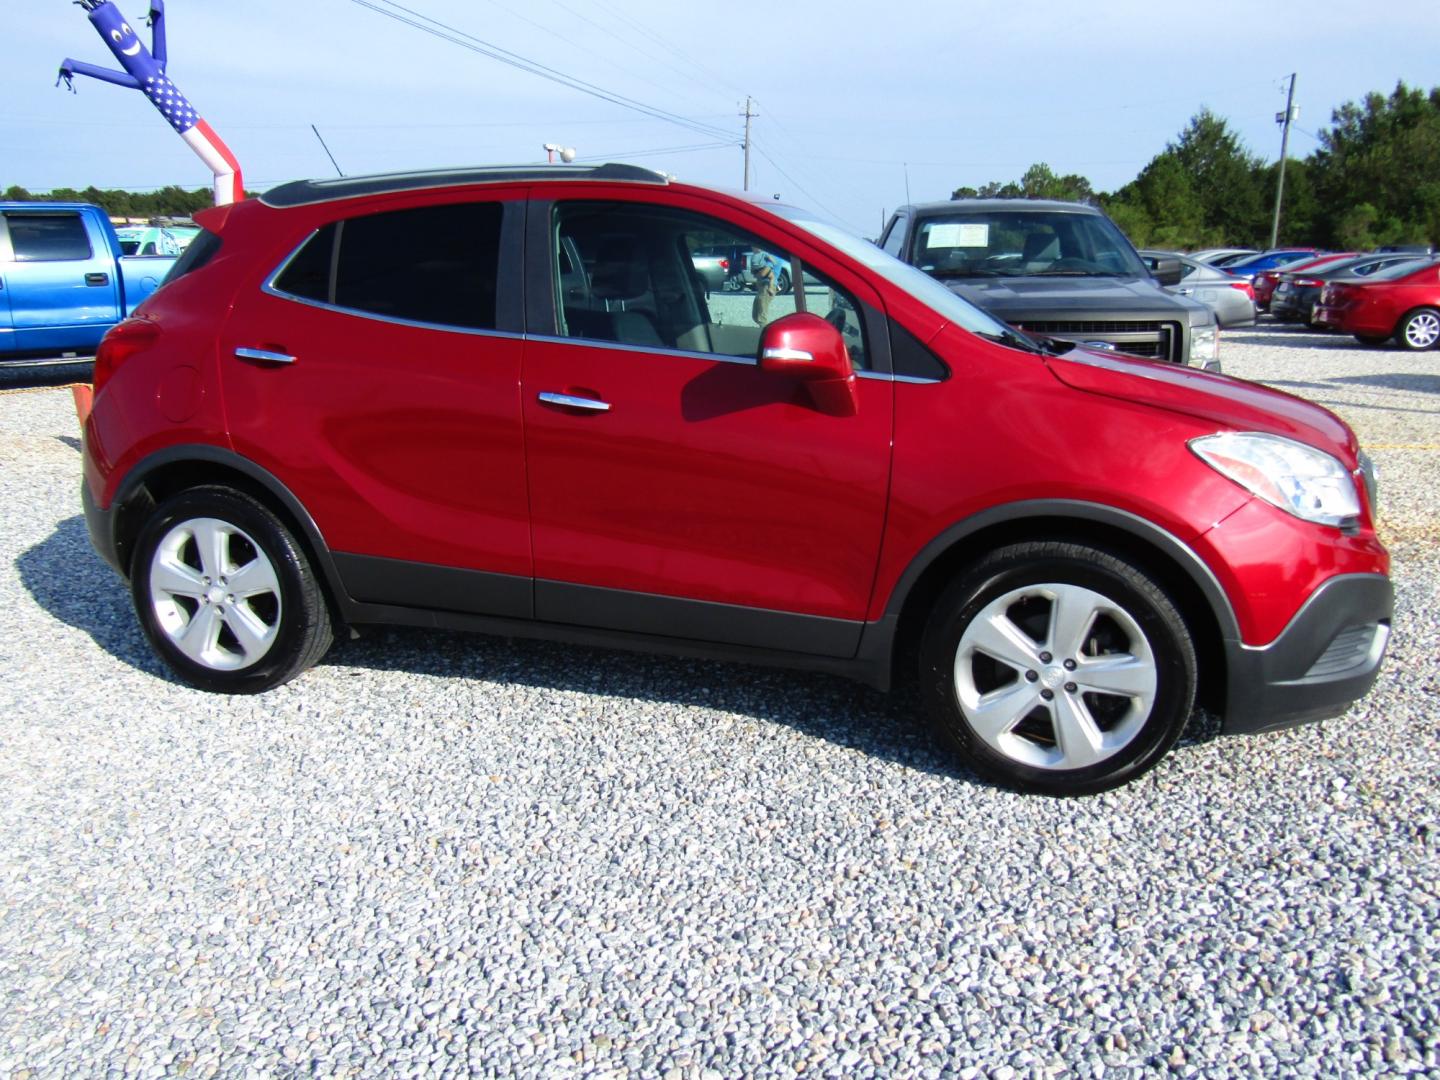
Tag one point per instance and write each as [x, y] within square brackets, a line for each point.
[455, 36]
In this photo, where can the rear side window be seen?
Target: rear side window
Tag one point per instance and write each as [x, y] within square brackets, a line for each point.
[201, 250]
[48, 237]
[433, 264]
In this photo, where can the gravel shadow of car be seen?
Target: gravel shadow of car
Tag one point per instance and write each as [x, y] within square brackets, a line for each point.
[70, 581]
[1412, 382]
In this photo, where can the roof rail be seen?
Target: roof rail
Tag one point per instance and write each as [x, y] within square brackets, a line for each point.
[309, 192]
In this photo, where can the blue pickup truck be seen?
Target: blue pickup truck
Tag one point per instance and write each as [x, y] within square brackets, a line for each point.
[64, 281]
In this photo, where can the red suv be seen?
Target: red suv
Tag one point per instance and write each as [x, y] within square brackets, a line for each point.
[502, 400]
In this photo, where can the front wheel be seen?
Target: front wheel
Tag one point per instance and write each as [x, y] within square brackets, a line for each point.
[1057, 668]
[225, 593]
[1419, 330]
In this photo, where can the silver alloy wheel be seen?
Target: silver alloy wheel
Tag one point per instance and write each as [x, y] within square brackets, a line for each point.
[215, 594]
[1055, 676]
[1422, 330]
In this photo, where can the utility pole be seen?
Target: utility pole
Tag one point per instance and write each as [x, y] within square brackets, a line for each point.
[748, 114]
[1283, 118]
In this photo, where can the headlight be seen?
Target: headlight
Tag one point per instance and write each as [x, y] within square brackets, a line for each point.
[1205, 346]
[1299, 479]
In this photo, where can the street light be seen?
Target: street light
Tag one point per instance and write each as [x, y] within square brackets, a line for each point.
[567, 153]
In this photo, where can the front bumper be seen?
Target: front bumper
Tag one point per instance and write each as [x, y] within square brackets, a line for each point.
[1328, 657]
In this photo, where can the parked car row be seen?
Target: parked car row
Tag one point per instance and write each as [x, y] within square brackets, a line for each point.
[1231, 298]
[1400, 302]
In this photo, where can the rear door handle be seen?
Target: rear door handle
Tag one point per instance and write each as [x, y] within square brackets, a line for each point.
[264, 356]
[97, 279]
[570, 401]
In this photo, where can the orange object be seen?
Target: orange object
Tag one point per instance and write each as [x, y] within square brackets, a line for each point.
[84, 395]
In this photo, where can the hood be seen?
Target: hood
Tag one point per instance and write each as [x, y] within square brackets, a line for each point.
[1229, 403]
[1016, 299]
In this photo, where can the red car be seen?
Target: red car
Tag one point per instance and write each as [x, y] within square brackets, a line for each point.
[1266, 281]
[1400, 302]
[501, 400]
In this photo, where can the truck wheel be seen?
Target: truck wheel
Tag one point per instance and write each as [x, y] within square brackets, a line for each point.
[783, 281]
[225, 593]
[1419, 330]
[1057, 668]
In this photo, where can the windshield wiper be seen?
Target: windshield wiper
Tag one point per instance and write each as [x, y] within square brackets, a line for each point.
[1017, 341]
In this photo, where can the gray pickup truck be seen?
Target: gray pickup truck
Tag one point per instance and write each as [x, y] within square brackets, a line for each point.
[64, 281]
[1055, 268]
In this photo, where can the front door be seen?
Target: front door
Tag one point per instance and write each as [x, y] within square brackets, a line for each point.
[675, 488]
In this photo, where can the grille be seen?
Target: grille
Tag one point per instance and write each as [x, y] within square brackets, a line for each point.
[1155, 340]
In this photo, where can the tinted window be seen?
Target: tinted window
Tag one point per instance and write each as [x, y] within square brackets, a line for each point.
[308, 273]
[435, 264]
[48, 237]
[201, 250]
[637, 283]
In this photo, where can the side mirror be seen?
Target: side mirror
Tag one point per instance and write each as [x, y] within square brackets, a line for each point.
[1167, 271]
[805, 347]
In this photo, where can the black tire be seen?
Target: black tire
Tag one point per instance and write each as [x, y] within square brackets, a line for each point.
[1371, 339]
[1419, 330]
[783, 281]
[193, 607]
[1128, 614]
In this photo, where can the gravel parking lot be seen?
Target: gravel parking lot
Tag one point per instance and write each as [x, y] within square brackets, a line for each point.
[447, 855]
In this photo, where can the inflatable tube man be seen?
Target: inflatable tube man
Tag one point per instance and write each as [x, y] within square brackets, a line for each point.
[145, 70]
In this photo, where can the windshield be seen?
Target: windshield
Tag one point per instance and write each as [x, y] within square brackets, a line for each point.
[924, 288]
[974, 243]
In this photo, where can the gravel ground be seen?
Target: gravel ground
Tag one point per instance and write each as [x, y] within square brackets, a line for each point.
[441, 855]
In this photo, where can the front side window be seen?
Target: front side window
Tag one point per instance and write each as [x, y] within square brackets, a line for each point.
[48, 237]
[433, 264]
[657, 278]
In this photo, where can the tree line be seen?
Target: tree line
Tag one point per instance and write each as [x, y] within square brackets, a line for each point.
[170, 201]
[1373, 180]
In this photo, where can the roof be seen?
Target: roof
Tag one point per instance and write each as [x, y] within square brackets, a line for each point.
[961, 205]
[308, 192]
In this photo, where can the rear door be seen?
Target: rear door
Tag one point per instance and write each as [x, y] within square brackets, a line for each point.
[675, 488]
[60, 281]
[376, 372]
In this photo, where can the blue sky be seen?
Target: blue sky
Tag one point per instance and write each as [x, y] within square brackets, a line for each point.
[849, 94]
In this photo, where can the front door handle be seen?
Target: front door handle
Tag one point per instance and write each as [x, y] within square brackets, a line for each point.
[264, 356]
[570, 401]
[97, 279]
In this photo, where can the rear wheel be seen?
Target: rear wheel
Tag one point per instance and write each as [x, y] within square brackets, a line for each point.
[225, 593]
[1419, 330]
[1057, 668]
[783, 281]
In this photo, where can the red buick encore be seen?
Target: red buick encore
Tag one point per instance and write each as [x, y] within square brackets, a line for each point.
[504, 400]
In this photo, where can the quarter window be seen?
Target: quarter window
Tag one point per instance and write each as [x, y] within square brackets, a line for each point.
[662, 279]
[434, 264]
[48, 237]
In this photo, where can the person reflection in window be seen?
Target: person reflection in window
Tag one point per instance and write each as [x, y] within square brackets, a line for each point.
[765, 269]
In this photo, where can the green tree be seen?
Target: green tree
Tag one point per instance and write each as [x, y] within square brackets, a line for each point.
[1039, 182]
[1383, 153]
[1302, 218]
[1222, 177]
